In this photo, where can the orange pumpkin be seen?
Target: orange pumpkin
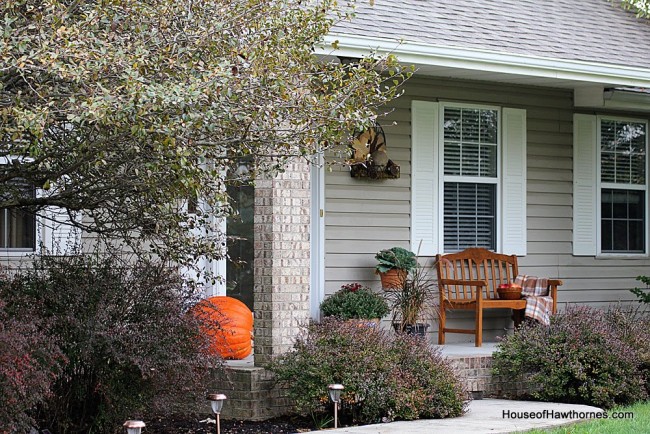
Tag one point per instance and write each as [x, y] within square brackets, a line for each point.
[229, 323]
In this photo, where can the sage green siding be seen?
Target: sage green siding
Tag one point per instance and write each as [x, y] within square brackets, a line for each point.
[363, 216]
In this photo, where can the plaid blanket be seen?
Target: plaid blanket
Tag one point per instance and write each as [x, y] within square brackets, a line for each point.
[539, 304]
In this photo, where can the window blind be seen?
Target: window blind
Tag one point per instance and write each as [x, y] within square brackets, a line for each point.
[469, 216]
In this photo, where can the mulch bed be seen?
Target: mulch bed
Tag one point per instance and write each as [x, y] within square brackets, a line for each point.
[207, 425]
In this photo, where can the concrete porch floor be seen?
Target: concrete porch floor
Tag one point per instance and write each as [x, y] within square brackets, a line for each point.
[467, 349]
[464, 349]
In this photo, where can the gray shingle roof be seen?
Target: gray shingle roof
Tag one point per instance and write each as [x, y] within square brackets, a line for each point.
[584, 30]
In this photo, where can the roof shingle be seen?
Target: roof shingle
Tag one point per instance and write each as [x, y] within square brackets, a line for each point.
[584, 30]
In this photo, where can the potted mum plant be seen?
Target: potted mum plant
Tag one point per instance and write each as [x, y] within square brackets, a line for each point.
[355, 302]
[393, 265]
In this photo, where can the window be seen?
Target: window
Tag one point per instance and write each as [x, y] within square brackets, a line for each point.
[622, 186]
[235, 269]
[470, 150]
[468, 180]
[470, 216]
[610, 194]
[18, 226]
[17, 229]
[239, 228]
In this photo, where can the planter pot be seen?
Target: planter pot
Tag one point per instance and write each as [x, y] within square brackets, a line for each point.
[393, 279]
[419, 329]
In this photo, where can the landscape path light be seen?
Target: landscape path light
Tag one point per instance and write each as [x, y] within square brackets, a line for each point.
[134, 426]
[335, 396]
[216, 401]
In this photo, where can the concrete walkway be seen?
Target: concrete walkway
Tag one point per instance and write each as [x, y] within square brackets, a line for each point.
[487, 416]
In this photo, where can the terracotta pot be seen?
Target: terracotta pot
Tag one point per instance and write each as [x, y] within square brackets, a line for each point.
[393, 279]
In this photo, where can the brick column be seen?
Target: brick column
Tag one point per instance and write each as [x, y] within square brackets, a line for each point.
[281, 265]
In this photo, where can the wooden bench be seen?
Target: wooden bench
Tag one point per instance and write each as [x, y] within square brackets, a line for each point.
[469, 279]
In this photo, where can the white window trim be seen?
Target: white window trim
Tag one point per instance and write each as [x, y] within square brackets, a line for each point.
[467, 179]
[600, 185]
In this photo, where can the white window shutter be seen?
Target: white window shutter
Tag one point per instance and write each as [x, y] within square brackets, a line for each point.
[585, 166]
[424, 178]
[208, 274]
[513, 220]
[58, 236]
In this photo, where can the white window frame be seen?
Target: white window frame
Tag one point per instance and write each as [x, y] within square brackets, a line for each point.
[468, 179]
[600, 185]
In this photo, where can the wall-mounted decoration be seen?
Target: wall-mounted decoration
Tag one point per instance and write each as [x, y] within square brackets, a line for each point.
[369, 156]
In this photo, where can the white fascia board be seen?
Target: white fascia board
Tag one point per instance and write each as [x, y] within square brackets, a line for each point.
[420, 54]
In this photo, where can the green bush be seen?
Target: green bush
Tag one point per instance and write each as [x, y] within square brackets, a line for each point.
[131, 348]
[642, 294]
[354, 301]
[386, 376]
[586, 356]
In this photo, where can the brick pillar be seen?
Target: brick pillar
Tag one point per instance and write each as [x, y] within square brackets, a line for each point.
[281, 265]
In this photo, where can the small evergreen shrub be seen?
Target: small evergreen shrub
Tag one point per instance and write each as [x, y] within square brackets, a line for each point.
[386, 376]
[29, 363]
[131, 349]
[642, 294]
[586, 356]
[354, 301]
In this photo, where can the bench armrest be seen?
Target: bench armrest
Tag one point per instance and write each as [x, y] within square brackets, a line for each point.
[552, 286]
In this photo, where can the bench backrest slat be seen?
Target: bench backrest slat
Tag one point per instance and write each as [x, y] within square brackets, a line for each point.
[476, 264]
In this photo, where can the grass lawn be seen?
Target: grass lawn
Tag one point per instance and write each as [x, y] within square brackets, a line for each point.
[639, 423]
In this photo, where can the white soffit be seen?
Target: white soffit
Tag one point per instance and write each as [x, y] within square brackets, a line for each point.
[612, 98]
[474, 64]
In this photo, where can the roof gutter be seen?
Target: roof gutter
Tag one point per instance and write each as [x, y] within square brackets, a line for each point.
[420, 54]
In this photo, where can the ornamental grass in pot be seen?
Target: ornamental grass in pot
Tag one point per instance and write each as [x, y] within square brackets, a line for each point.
[355, 302]
[393, 266]
[415, 302]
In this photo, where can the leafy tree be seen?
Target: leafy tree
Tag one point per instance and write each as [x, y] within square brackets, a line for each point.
[128, 110]
[641, 7]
